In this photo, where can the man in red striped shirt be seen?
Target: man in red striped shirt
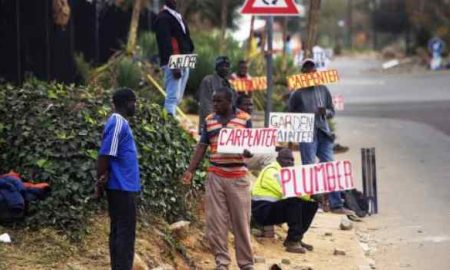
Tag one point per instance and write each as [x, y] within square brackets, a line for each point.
[227, 186]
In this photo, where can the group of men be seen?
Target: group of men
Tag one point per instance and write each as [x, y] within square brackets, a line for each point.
[229, 203]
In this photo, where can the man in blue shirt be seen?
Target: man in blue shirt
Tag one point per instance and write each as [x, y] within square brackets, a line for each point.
[118, 173]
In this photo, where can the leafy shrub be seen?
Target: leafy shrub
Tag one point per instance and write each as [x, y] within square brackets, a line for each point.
[52, 132]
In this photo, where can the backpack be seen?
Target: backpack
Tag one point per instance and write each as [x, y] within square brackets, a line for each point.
[355, 200]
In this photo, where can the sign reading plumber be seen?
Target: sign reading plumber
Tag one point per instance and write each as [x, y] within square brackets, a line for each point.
[317, 178]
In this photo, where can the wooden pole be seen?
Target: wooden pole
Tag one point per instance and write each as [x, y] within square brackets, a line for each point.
[132, 35]
[313, 22]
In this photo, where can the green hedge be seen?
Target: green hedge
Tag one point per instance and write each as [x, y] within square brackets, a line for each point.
[52, 133]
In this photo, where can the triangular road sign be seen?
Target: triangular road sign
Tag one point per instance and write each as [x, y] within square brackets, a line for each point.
[270, 7]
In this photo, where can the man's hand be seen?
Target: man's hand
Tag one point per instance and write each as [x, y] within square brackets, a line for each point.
[322, 111]
[187, 178]
[176, 73]
[100, 185]
[247, 154]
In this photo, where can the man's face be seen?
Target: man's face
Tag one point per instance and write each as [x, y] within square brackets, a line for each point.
[247, 105]
[286, 158]
[243, 69]
[171, 4]
[308, 67]
[220, 103]
[131, 107]
[223, 69]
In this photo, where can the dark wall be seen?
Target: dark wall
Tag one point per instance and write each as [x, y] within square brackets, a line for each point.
[32, 45]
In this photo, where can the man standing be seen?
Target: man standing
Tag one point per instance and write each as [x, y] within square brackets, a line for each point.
[172, 35]
[209, 84]
[227, 187]
[118, 172]
[242, 74]
[317, 100]
[269, 207]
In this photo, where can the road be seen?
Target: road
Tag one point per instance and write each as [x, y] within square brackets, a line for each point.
[406, 116]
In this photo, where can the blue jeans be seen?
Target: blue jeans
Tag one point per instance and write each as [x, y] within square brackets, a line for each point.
[321, 147]
[174, 88]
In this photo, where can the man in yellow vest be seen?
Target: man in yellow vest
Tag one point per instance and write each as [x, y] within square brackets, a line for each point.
[269, 207]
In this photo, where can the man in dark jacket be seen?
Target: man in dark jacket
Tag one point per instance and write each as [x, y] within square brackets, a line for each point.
[172, 35]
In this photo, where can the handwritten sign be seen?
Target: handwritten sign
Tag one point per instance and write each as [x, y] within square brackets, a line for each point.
[253, 84]
[182, 61]
[338, 102]
[293, 127]
[255, 140]
[312, 79]
[317, 178]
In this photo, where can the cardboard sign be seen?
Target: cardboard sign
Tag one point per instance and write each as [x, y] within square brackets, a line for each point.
[338, 102]
[312, 79]
[255, 140]
[293, 127]
[253, 84]
[182, 61]
[316, 178]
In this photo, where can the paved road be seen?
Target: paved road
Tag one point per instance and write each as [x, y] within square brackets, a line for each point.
[407, 118]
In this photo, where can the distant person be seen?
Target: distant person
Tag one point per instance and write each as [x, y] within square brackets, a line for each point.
[269, 207]
[172, 36]
[255, 162]
[118, 173]
[242, 74]
[317, 100]
[227, 185]
[209, 84]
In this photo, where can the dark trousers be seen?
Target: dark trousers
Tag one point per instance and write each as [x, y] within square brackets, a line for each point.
[298, 215]
[122, 213]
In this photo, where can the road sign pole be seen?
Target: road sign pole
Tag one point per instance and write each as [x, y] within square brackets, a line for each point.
[269, 70]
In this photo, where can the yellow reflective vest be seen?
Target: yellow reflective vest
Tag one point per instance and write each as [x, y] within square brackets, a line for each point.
[268, 186]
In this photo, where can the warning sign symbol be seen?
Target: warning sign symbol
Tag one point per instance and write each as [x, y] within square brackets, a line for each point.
[270, 7]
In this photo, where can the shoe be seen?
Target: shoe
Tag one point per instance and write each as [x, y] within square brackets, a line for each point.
[308, 247]
[294, 247]
[340, 149]
[342, 211]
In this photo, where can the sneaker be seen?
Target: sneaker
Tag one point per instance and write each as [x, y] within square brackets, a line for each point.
[294, 247]
[340, 149]
[342, 211]
[308, 247]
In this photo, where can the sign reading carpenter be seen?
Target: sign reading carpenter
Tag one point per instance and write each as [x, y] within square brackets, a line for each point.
[255, 140]
[182, 61]
[312, 79]
[293, 127]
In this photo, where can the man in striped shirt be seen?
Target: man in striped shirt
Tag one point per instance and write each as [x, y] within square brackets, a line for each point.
[118, 172]
[227, 185]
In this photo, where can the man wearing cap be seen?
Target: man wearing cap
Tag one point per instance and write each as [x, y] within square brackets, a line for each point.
[172, 36]
[317, 100]
[210, 83]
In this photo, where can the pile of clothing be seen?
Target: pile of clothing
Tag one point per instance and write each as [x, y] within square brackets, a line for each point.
[15, 196]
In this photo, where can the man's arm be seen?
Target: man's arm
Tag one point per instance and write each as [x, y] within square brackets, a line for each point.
[295, 103]
[102, 175]
[329, 104]
[199, 153]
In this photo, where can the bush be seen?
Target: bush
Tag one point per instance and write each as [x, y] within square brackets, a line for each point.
[52, 133]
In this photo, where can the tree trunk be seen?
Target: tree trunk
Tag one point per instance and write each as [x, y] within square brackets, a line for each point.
[132, 35]
[223, 24]
[313, 22]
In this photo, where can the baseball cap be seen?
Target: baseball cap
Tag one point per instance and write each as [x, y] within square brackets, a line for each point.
[222, 60]
[308, 60]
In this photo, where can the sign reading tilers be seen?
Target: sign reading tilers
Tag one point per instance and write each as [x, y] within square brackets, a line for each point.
[293, 127]
[270, 7]
[312, 79]
[182, 61]
[316, 178]
[255, 140]
[253, 84]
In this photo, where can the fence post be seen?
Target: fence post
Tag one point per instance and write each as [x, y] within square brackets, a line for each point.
[369, 178]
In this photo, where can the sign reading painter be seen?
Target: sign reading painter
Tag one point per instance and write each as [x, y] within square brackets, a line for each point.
[182, 61]
[253, 84]
[316, 178]
[255, 140]
[293, 127]
[312, 79]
